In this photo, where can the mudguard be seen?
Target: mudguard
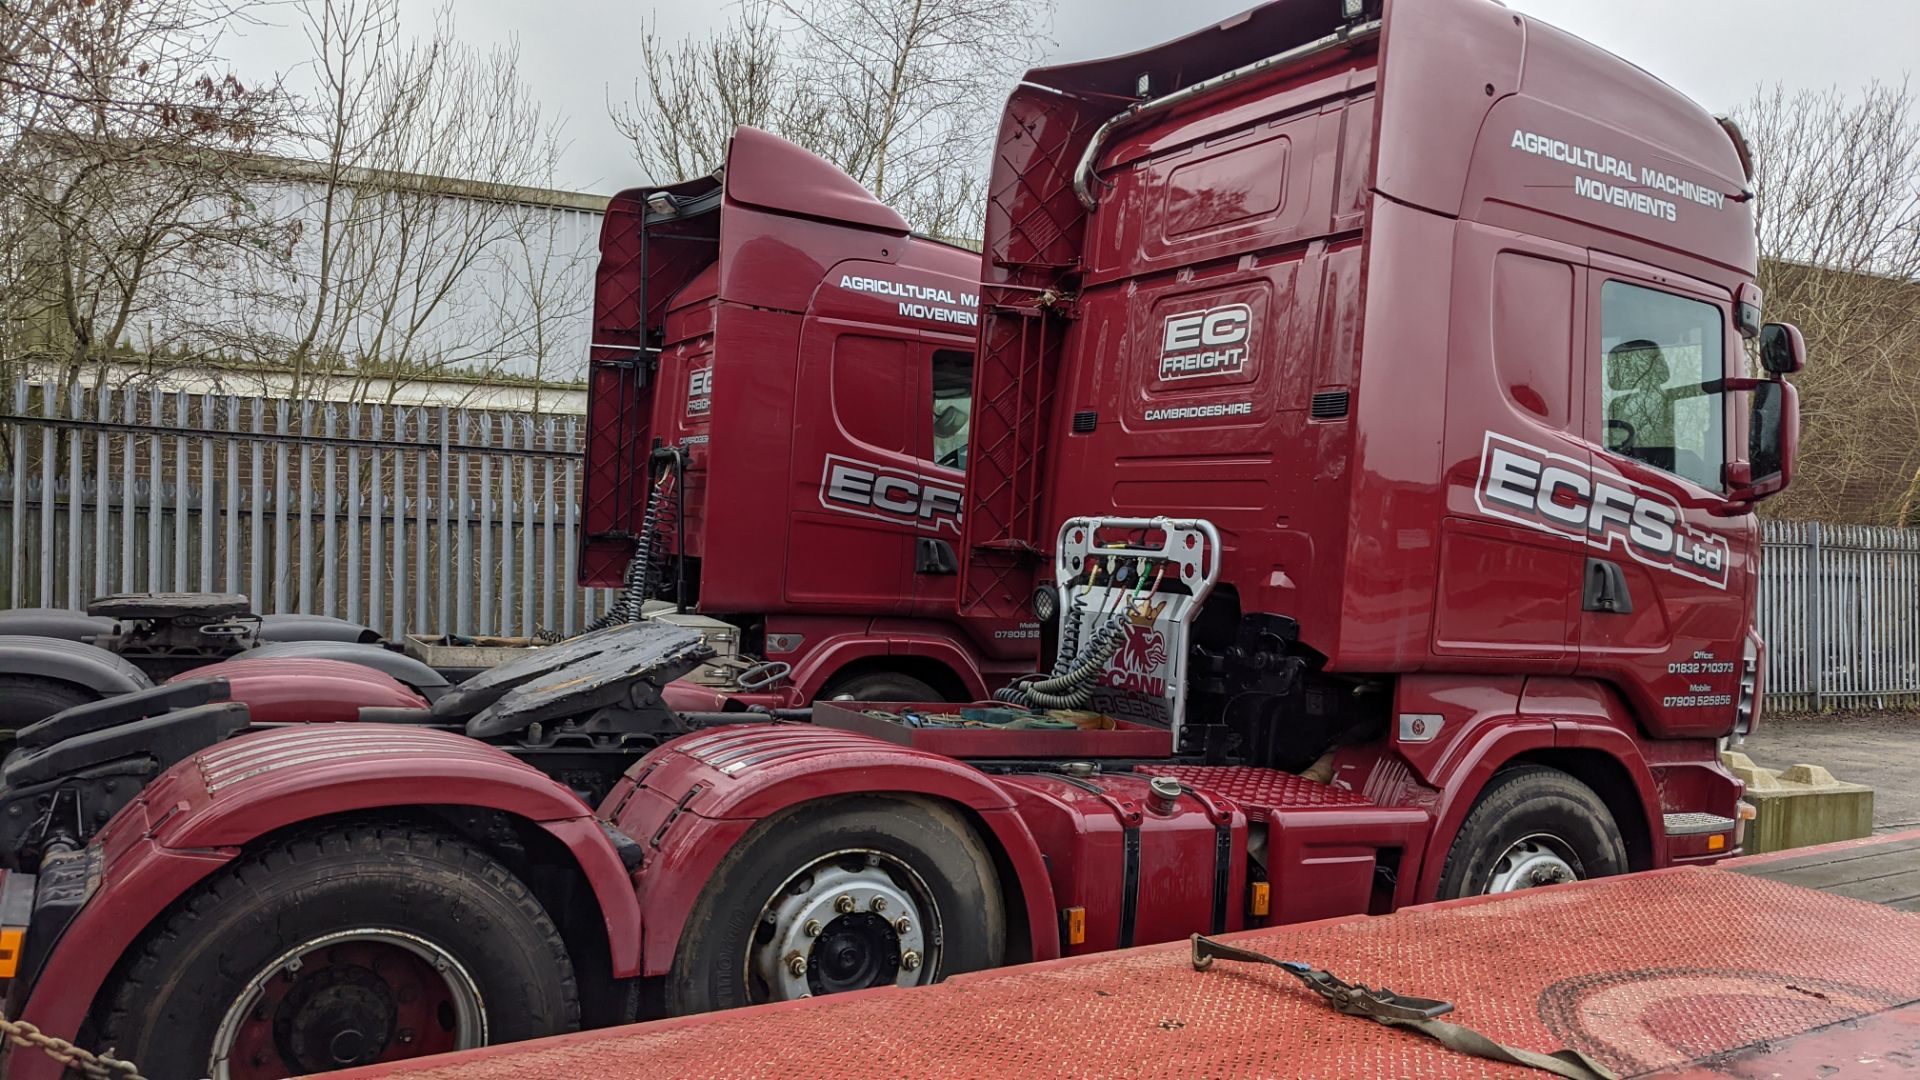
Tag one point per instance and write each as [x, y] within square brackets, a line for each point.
[689, 801]
[54, 623]
[1489, 723]
[294, 691]
[315, 628]
[195, 818]
[423, 680]
[83, 665]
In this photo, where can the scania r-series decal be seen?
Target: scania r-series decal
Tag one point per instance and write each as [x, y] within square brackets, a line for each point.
[1557, 494]
[888, 494]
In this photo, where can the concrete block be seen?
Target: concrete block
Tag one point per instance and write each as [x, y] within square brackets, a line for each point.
[1800, 806]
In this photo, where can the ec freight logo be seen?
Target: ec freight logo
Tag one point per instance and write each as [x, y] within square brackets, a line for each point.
[700, 391]
[1557, 494]
[1213, 341]
[888, 494]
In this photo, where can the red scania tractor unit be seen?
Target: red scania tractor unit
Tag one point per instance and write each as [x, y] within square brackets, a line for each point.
[1370, 408]
[778, 395]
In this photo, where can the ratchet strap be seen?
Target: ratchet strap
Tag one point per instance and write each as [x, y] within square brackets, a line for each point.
[1414, 1013]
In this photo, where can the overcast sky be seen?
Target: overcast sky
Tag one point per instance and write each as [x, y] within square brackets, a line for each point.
[578, 52]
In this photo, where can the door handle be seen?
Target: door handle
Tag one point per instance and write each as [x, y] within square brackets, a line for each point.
[1605, 588]
[931, 556]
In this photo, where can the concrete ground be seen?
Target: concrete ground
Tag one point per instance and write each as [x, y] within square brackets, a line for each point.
[1881, 749]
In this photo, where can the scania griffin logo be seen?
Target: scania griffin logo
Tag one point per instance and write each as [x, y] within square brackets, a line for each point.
[1558, 494]
[1212, 341]
[889, 494]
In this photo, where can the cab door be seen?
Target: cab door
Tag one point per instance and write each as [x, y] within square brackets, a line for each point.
[855, 470]
[1510, 538]
[1663, 604]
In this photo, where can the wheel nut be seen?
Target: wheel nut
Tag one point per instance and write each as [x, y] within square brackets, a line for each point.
[844, 905]
[796, 964]
[878, 903]
[910, 960]
[902, 924]
[813, 927]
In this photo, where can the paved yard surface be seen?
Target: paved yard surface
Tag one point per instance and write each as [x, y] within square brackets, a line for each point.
[1877, 748]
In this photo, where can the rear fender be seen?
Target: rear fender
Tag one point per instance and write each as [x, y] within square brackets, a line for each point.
[86, 666]
[689, 802]
[291, 690]
[199, 815]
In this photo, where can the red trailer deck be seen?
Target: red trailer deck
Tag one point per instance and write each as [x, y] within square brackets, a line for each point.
[1769, 966]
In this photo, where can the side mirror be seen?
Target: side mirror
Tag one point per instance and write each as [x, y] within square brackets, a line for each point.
[1773, 435]
[1782, 350]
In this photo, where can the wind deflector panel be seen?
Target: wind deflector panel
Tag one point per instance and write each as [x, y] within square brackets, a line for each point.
[647, 254]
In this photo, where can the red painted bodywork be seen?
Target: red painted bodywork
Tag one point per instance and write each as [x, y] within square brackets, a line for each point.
[195, 818]
[1419, 285]
[1399, 251]
[796, 322]
[293, 691]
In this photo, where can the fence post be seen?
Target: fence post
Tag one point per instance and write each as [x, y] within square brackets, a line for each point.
[1816, 618]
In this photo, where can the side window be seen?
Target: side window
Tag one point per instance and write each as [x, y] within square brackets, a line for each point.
[952, 406]
[1661, 393]
[873, 389]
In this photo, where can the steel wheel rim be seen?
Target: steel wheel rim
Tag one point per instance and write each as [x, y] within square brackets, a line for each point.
[459, 1011]
[848, 920]
[1534, 862]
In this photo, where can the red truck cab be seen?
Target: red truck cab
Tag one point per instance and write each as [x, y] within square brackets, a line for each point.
[1371, 404]
[812, 360]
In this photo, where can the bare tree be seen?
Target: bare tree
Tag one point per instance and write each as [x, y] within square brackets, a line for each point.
[124, 145]
[411, 208]
[1838, 178]
[901, 94]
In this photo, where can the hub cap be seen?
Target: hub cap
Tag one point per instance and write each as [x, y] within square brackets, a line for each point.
[1533, 862]
[849, 921]
[353, 998]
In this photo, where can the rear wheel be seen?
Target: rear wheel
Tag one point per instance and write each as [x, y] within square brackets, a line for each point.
[359, 945]
[882, 686]
[1532, 826]
[863, 892]
[26, 700]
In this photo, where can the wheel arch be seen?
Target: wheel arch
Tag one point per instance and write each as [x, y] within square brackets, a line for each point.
[694, 814]
[944, 680]
[145, 875]
[1604, 759]
[88, 667]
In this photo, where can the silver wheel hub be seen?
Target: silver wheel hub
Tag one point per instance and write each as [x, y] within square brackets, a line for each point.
[1533, 862]
[847, 922]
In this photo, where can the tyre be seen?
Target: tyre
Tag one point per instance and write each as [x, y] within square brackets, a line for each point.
[1532, 826]
[882, 686]
[860, 892]
[25, 700]
[360, 944]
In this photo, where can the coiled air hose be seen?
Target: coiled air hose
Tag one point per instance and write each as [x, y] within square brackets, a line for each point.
[634, 584]
[1070, 686]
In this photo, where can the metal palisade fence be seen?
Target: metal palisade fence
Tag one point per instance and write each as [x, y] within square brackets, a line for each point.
[409, 519]
[1840, 611]
[417, 519]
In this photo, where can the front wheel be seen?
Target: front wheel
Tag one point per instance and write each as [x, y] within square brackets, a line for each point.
[359, 945]
[1532, 826]
[847, 895]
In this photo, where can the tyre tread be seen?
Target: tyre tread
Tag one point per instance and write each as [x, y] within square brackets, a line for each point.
[133, 989]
